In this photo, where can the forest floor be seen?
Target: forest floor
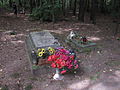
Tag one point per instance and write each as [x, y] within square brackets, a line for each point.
[99, 69]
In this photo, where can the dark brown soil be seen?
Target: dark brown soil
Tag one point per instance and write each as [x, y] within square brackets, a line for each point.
[99, 69]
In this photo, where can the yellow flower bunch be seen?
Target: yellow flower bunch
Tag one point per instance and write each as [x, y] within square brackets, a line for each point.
[41, 52]
[51, 50]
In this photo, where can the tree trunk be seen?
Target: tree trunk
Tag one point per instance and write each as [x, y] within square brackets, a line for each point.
[74, 9]
[53, 14]
[93, 11]
[38, 3]
[20, 3]
[82, 8]
[88, 6]
[70, 4]
[63, 7]
[117, 28]
[10, 3]
[31, 6]
[103, 6]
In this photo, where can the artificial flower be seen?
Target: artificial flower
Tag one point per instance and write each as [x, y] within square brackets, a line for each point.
[76, 66]
[64, 71]
[53, 65]
[70, 66]
[40, 54]
[50, 58]
[75, 61]
[51, 50]
[72, 57]
[62, 59]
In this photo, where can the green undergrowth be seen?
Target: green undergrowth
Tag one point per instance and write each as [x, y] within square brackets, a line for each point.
[29, 87]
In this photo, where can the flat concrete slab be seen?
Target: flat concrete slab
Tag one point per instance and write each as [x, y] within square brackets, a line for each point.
[44, 39]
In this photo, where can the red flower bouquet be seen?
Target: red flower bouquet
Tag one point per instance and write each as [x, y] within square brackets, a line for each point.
[63, 60]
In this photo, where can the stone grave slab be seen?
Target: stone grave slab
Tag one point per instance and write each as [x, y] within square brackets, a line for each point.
[78, 46]
[43, 39]
[36, 40]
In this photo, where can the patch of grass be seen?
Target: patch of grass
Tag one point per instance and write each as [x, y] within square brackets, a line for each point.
[29, 87]
[33, 78]
[113, 63]
[15, 75]
[86, 50]
[35, 67]
[96, 76]
[4, 88]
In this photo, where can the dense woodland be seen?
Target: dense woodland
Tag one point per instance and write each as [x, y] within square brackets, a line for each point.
[53, 9]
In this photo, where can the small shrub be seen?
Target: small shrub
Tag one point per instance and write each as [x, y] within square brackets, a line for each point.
[47, 12]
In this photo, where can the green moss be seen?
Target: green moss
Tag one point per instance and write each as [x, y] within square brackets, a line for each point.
[15, 75]
[113, 63]
[4, 88]
[96, 76]
[33, 78]
[35, 67]
[29, 87]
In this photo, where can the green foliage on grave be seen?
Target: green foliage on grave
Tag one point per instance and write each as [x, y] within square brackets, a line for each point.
[35, 67]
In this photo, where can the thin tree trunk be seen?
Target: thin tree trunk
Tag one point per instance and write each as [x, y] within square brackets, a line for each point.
[10, 3]
[93, 11]
[20, 3]
[82, 8]
[63, 7]
[31, 6]
[53, 14]
[70, 4]
[88, 6]
[74, 9]
[117, 28]
[102, 6]
[38, 3]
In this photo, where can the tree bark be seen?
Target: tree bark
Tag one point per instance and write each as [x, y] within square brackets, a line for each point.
[10, 3]
[31, 6]
[88, 6]
[93, 11]
[82, 8]
[63, 7]
[74, 9]
[53, 14]
[20, 3]
[70, 4]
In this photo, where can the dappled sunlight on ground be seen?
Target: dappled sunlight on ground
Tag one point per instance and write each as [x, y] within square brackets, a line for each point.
[92, 38]
[80, 85]
[117, 73]
[68, 29]
[17, 42]
[106, 81]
